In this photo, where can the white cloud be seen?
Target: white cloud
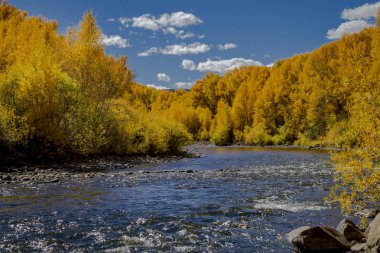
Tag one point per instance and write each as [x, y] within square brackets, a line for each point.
[181, 49]
[178, 19]
[150, 22]
[145, 21]
[114, 40]
[220, 66]
[171, 30]
[163, 77]
[365, 11]
[166, 22]
[178, 49]
[188, 64]
[111, 20]
[150, 51]
[183, 85]
[124, 21]
[227, 46]
[348, 27]
[182, 34]
[157, 87]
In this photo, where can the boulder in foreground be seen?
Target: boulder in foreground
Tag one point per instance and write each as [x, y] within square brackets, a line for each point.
[320, 238]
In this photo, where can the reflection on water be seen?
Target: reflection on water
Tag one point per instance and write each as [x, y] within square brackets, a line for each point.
[237, 199]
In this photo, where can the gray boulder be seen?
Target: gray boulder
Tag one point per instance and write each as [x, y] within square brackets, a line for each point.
[373, 241]
[321, 238]
[349, 230]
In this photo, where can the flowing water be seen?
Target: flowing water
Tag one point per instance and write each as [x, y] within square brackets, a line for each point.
[237, 200]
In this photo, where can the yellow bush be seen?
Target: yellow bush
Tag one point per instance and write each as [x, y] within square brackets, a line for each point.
[222, 134]
[138, 131]
[357, 167]
[257, 135]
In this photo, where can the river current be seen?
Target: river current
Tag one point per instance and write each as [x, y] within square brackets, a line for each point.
[234, 199]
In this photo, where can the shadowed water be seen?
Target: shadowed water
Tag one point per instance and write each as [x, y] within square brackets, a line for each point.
[237, 199]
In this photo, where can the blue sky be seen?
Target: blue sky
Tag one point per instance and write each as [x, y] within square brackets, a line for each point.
[172, 43]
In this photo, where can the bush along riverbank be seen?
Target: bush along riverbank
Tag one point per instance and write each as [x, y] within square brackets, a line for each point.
[346, 237]
[63, 96]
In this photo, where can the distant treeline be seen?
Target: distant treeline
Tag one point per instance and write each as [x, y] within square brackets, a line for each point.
[304, 100]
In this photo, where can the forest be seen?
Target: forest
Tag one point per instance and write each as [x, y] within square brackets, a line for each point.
[62, 95]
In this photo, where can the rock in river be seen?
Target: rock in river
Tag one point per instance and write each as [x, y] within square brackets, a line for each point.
[320, 239]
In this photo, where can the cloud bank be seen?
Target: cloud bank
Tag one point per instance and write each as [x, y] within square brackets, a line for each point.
[357, 19]
[365, 11]
[348, 27]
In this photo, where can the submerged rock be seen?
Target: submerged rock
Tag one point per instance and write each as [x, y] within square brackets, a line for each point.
[321, 239]
[350, 230]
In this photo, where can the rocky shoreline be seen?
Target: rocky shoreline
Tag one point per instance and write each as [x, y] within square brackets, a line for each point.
[346, 237]
[284, 146]
[85, 168]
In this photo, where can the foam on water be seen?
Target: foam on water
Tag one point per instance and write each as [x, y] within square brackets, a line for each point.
[291, 207]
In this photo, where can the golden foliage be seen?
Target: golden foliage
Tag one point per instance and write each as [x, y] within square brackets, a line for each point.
[60, 93]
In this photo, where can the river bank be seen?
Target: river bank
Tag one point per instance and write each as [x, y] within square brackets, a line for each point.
[54, 172]
[284, 146]
[82, 168]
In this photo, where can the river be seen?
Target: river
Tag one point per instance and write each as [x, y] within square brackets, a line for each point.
[233, 199]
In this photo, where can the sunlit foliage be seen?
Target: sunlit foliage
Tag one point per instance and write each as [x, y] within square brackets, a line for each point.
[59, 94]
[357, 172]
